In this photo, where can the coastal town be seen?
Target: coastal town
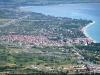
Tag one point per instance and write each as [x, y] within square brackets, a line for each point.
[57, 34]
[42, 40]
[36, 44]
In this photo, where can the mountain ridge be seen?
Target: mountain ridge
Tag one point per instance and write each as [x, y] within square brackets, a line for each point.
[45, 2]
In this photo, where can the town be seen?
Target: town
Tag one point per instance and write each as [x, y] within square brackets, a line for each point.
[42, 40]
[36, 44]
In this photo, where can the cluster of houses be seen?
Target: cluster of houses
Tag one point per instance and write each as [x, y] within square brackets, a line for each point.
[84, 41]
[37, 40]
[30, 39]
[81, 68]
[93, 67]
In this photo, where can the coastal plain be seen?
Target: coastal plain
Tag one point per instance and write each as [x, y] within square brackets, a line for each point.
[37, 44]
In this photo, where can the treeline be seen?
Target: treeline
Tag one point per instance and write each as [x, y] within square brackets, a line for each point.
[91, 47]
[10, 13]
[91, 52]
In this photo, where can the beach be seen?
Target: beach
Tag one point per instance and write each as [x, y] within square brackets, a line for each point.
[85, 28]
[74, 11]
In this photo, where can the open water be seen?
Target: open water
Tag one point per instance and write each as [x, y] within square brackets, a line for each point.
[89, 11]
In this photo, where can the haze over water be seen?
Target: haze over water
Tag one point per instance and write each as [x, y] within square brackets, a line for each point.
[89, 11]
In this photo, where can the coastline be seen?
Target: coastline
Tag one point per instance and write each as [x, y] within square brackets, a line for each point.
[84, 31]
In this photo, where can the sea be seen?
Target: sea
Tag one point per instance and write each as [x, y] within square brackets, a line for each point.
[85, 11]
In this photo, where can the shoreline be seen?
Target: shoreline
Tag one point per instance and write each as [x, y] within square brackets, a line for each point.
[85, 33]
[83, 28]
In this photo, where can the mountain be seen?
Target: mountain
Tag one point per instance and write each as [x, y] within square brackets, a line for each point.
[44, 2]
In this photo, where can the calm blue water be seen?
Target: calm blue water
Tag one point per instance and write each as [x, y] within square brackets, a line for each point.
[78, 11]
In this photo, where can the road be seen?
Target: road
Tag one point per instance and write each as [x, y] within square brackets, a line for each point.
[13, 21]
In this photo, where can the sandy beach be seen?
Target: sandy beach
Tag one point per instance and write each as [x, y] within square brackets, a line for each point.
[85, 28]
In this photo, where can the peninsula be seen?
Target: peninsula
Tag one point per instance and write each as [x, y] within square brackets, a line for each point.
[36, 44]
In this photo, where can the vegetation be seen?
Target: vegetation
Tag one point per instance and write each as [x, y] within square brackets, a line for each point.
[91, 47]
[19, 61]
[48, 26]
[21, 57]
[91, 52]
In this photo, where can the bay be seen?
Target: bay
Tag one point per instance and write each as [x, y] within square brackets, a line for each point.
[89, 11]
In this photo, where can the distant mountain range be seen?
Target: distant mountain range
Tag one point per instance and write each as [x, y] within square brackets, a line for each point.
[44, 2]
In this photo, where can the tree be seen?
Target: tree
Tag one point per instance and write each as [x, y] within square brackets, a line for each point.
[11, 59]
